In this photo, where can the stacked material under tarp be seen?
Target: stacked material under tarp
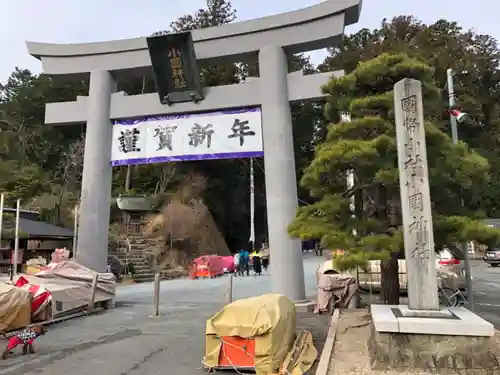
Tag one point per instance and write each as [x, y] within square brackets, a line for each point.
[70, 285]
[333, 284]
[342, 288]
[207, 266]
[251, 333]
[15, 307]
[35, 265]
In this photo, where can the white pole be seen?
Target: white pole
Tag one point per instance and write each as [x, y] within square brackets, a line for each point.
[451, 103]
[2, 198]
[454, 137]
[16, 241]
[252, 206]
[346, 117]
[75, 231]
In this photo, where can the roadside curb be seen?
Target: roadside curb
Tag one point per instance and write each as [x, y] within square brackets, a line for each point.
[326, 354]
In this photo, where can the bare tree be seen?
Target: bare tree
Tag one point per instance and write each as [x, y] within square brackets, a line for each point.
[70, 172]
[71, 165]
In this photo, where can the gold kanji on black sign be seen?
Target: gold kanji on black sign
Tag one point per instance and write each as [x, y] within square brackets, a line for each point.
[174, 63]
[177, 68]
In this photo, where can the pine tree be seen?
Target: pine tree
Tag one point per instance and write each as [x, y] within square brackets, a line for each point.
[444, 44]
[367, 145]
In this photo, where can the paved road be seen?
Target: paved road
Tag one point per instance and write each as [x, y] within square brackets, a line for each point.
[486, 285]
[125, 341]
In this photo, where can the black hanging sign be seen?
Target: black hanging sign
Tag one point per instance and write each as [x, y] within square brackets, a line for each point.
[174, 64]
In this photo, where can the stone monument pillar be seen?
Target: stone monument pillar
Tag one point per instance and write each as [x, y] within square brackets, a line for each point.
[97, 174]
[281, 181]
[415, 196]
[421, 335]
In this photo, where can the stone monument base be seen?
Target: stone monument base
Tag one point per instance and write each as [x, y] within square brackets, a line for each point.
[461, 343]
[305, 305]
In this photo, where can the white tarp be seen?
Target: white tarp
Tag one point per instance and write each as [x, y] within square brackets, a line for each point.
[216, 135]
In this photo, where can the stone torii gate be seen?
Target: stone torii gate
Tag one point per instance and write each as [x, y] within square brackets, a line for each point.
[270, 39]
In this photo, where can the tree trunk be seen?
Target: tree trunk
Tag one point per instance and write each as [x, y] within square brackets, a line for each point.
[389, 288]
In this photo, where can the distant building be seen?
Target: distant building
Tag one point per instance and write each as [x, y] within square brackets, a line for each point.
[38, 238]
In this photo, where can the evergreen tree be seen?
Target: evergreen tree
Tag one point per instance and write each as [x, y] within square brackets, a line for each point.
[367, 145]
[475, 60]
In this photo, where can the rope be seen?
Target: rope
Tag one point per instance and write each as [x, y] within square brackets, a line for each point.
[223, 343]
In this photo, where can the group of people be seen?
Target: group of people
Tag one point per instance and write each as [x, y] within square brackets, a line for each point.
[258, 260]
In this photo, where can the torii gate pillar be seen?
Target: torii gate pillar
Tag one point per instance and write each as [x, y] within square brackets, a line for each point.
[281, 182]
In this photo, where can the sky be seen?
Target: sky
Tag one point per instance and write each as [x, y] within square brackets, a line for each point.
[76, 21]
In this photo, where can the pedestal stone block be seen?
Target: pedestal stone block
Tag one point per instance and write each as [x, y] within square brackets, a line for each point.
[471, 355]
[459, 322]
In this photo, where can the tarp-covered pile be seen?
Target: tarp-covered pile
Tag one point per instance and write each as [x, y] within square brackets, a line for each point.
[269, 320]
[57, 290]
[15, 307]
[332, 284]
[70, 285]
[208, 266]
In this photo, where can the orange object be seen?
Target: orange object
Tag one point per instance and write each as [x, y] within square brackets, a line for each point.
[207, 266]
[237, 352]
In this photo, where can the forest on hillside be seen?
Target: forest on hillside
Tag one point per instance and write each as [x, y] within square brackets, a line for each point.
[42, 165]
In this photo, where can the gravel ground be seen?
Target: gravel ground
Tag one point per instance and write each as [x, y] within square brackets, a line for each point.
[350, 355]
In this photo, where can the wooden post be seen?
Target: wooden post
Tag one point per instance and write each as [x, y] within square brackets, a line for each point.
[93, 289]
[156, 296]
[230, 289]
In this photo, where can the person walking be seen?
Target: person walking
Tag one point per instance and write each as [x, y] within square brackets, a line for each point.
[244, 262]
[264, 256]
[236, 261]
[257, 265]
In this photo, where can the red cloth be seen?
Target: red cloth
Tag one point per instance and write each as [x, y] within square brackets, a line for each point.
[208, 265]
[228, 263]
[15, 341]
[41, 296]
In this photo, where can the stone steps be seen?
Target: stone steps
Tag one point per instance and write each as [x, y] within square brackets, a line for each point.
[137, 255]
[144, 277]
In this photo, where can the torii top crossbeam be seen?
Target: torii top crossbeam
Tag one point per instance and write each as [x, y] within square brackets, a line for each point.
[312, 28]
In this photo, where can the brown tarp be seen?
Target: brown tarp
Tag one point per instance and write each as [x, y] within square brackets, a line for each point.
[270, 320]
[333, 284]
[15, 307]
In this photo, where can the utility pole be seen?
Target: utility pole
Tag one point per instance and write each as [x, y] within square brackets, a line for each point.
[454, 137]
[16, 242]
[451, 103]
[346, 117]
[252, 206]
